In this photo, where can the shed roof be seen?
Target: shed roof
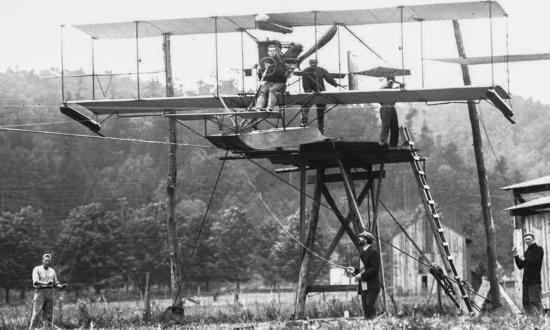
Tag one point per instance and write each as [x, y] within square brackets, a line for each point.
[538, 205]
[534, 185]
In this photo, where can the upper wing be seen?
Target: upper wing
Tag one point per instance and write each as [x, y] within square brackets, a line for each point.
[236, 23]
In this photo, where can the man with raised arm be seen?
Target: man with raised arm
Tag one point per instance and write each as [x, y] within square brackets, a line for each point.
[44, 281]
[531, 263]
[367, 277]
[313, 80]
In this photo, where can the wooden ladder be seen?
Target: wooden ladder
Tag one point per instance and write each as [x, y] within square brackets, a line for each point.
[417, 163]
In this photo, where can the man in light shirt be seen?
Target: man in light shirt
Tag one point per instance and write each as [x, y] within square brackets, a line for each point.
[44, 281]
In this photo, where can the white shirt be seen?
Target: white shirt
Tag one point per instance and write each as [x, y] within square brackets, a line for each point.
[43, 275]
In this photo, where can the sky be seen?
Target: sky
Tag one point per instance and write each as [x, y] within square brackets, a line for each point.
[30, 32]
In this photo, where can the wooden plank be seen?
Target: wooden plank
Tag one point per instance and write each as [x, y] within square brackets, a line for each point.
[479, 299]
[289, 169]
[213, 115]
[306, 256]
[332, 288]
[510, 304]
[364, 175]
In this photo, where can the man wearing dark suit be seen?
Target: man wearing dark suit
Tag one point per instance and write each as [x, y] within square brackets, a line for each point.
[313, 80]
[369, 283]
[531, 263]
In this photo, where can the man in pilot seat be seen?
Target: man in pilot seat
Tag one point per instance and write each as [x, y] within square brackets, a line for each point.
[273, 73]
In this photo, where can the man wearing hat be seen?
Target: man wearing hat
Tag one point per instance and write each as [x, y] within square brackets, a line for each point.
[367, 277]
[272, 72]
[531, 263]
[313, 80]
[44, 280]
[388, 117]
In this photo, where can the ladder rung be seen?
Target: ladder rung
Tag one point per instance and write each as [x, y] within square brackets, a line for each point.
[426, 187]
[445, 244]
[449, 257]
[431, 202]
[421, 173]
[419, 158]
[440, 230]
[410, 143]
[435, 215]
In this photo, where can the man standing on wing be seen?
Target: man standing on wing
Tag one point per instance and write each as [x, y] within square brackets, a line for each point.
[313, 80]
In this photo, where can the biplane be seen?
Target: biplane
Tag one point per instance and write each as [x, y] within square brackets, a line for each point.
[231, 112]
[306, 148]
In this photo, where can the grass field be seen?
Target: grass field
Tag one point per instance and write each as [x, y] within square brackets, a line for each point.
[266, 311]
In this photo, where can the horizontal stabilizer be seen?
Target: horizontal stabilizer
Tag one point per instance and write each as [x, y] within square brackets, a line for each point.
[272, 26]
[383, 72]
[334, 75]
[81, 118]
[494, 59]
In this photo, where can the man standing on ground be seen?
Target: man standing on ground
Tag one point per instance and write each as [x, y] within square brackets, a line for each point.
[313, 80]
[388, 117]
[531, 263]
[272, 72]
[44, 281]
[369, 283]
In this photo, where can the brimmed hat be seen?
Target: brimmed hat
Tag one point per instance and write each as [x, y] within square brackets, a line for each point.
[368, 236]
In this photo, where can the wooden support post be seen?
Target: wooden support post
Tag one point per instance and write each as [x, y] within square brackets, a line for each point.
[344, 223]
[378, 241]
[482, 176]
[175, 268]
[303, 186]
[146, 300]
[301, 291]
[359, 225]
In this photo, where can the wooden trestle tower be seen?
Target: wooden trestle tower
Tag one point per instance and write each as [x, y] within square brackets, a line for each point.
[359, 167]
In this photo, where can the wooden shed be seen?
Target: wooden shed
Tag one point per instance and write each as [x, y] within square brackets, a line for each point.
[531, 212]
[409, 277]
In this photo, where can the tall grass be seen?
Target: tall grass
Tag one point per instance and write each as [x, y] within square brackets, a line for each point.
[271, 313]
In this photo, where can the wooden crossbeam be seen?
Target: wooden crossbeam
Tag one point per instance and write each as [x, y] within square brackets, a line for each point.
[353, 176]
[332, 288]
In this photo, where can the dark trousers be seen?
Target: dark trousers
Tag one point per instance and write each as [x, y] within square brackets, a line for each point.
[531, 298]
[368, 300]
[390, 125]
[320, 115]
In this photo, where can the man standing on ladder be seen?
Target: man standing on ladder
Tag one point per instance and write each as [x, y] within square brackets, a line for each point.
[313, 80]
[531, 263]
[367, 277]
[44, 281]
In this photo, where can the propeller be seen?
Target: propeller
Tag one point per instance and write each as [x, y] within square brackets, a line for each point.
[325, 38]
